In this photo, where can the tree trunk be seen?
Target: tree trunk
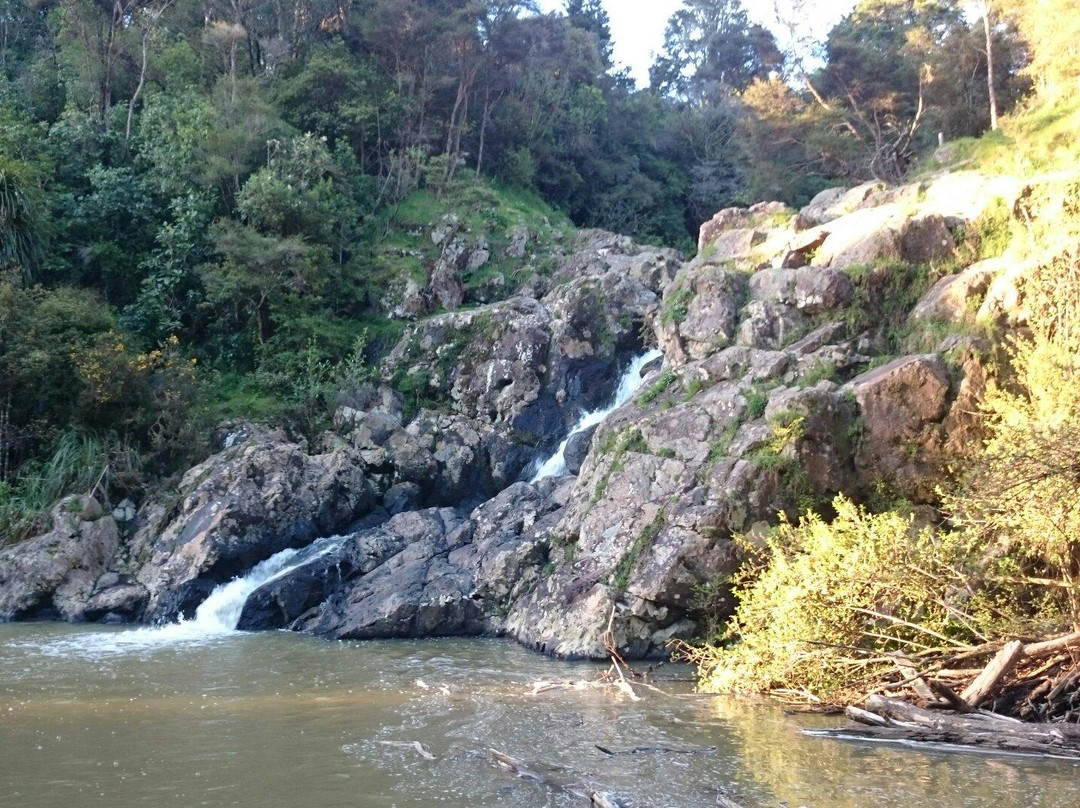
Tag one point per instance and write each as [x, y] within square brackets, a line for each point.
[987, 9]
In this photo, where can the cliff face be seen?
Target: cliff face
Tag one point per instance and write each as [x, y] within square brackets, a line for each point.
[836, 349]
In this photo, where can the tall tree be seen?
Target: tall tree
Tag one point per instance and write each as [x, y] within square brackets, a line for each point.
[710, 47]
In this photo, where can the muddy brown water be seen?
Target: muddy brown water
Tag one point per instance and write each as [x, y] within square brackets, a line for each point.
[97, 717]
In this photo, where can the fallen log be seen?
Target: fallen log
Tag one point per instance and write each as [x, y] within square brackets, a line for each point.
[892, 719]
[599, 799]
[656, 750]
[1039, 650]
[1000, 666]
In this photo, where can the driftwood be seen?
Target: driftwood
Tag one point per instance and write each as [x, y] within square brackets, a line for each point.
[550, 778]
[416, 746]
[1000, 666]
[656, 750]
[889, 719]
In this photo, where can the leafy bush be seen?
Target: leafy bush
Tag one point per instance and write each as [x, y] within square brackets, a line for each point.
[821, 602]
[1022, 493]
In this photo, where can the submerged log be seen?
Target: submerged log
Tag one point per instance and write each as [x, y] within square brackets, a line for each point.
[599, 799]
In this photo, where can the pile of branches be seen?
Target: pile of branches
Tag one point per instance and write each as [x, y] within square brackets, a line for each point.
[1010, 695]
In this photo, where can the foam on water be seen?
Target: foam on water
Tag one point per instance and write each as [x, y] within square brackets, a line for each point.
[555, 465]
[216, 617]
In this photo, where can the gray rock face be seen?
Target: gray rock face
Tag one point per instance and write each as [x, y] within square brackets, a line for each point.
[421, 574]
[240, 507]
[810, 290]
[903, 406]
[54, 574]
[957, 298]
[577, 449]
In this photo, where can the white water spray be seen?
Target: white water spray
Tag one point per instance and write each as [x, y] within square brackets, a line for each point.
[631, 380]
[217, 616]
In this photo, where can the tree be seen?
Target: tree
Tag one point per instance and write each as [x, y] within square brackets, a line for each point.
[20, 217]
[710, 48]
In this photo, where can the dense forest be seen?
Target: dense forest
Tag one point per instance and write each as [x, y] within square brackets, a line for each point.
[195, 194]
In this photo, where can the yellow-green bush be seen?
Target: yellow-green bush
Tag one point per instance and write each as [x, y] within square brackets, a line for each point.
[826, 600]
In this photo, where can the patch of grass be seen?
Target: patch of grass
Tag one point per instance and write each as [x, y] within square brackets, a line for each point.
[756, 401]
[677, 306]
[823, 371]
[620, 576]
[657, 388]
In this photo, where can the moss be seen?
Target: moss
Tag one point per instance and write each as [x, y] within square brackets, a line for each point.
[620, 576]
[677, 306]
[657, 388]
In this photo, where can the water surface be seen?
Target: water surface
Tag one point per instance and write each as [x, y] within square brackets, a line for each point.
[94, 717]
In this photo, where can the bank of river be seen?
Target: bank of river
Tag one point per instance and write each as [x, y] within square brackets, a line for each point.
[95, 717]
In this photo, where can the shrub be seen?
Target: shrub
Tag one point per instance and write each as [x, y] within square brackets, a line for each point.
[821, 602]
[1022, 492]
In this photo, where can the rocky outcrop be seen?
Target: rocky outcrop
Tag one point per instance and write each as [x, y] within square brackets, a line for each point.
[436, 572]
[241, 506]
[54, 575]
[767, 400]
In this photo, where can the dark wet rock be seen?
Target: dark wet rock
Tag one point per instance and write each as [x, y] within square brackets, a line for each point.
[577, 449]
[424, 573]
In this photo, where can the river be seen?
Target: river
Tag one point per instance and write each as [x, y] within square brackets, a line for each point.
[92, 716]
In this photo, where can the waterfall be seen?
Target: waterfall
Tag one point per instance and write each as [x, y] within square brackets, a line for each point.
[217, 616]
[631, 380]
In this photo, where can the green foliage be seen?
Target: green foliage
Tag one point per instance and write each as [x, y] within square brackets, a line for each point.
[821, 602]
[657, 388]
[620, 576]
[756, 401]
[676, 306]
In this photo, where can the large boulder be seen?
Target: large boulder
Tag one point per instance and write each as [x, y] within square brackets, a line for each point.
[239, 507]
[902, 406]
[700, 312]
[421, 574]
[54, 574]
[957, 298]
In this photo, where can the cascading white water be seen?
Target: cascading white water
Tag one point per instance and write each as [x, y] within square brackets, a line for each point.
[631, 380]
[217, 616]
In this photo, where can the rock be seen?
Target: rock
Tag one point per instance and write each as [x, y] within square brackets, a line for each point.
[957, 298]
[810, 290]
[577, 449]
[858, 246]
[90, 509]
[519, 240]
[402, 497]
[240, 507]
[422, 574]
[902, 405]
[121, 602]
[700, 312]
[926, 240]
[800, 248]
[479, 256]
[771, 325]
[727, 219]
[52, 575]
[446, 288]
[832, 203]
[732, 245]
[124, 512]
